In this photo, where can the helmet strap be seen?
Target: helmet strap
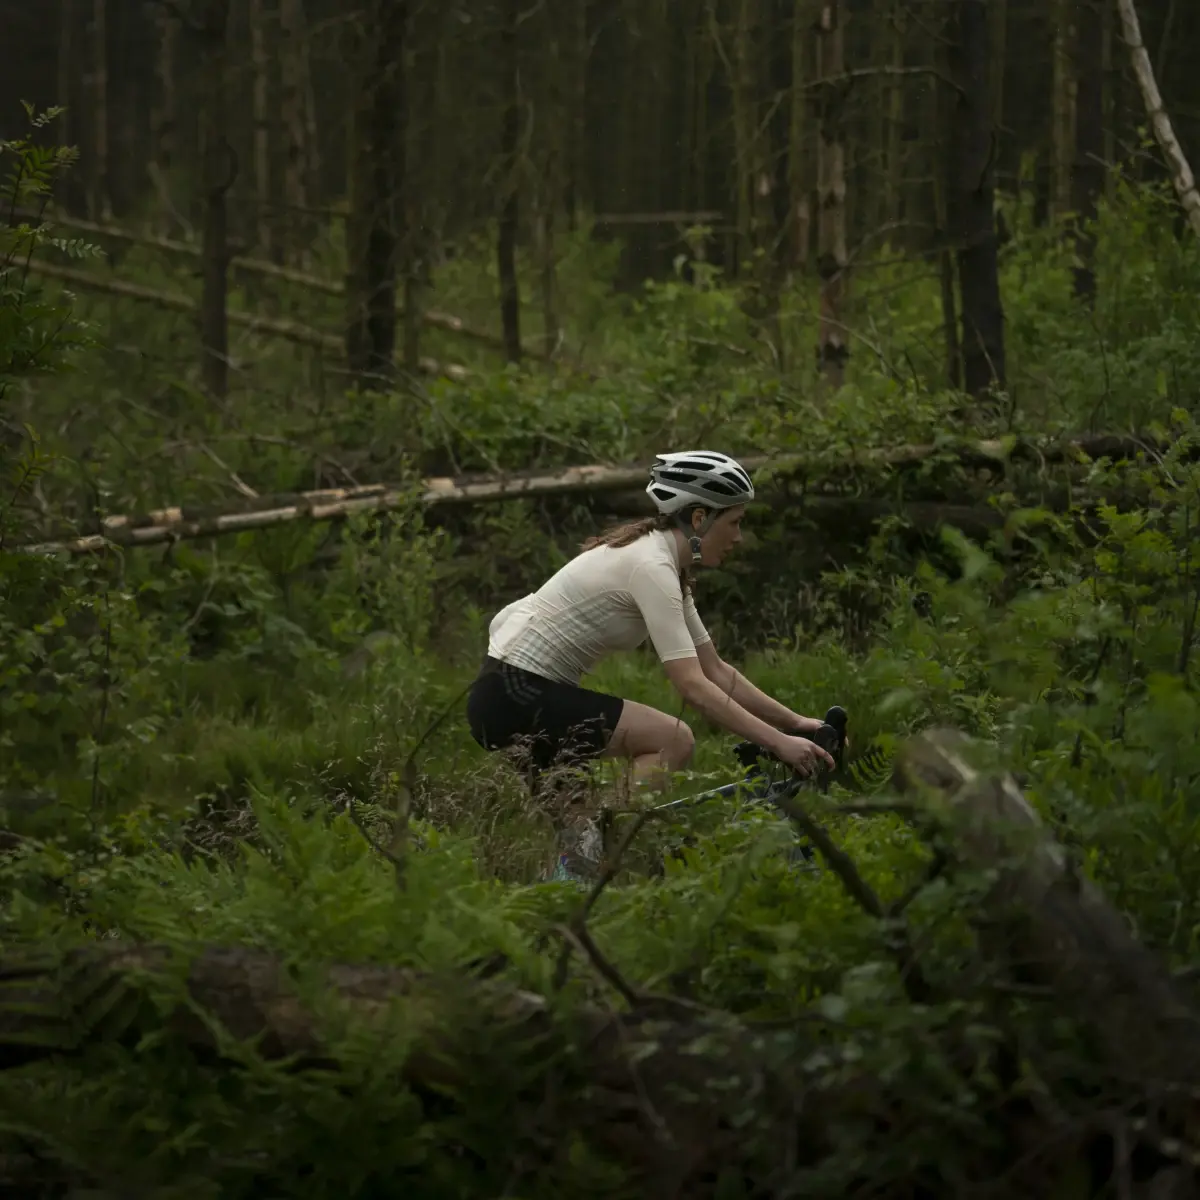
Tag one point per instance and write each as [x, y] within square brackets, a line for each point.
[694, 534]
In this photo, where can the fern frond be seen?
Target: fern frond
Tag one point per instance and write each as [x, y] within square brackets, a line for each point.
[871, 771]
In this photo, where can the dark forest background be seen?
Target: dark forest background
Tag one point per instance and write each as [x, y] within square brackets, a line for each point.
[329, 328]
[798, 137]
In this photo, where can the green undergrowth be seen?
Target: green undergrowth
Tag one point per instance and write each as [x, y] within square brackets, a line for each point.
[259, 740]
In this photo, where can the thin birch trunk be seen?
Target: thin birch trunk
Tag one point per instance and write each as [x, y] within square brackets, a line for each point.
[1177, 164]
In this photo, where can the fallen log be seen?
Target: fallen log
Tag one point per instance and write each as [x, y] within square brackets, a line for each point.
[1050, 925]
[280, 327]
[179, 522]
[256, 266]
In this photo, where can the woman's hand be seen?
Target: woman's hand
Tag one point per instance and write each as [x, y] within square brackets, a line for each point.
[803, 756]
[803, 726]
[799, 726]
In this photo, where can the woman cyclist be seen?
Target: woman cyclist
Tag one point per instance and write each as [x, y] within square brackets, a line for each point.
[628, 583]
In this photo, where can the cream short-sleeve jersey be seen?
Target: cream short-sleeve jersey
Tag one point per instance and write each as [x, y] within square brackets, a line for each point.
[605, 599]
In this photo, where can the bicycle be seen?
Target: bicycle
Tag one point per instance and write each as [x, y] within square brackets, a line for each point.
[757, 785]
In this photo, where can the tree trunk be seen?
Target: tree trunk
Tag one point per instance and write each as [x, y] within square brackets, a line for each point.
[756, 70]
[219, 172]
[550, 154]
[941, 168]
[164, 118]
[650, 147]
[414, 317]
[295, 112]
[1112, 89]
[576, 156]
[377, 192]
[938, 116]
[833, 347]
[506, 241]
[1177, 163]
[893, 140]
[1062, 139]
[549, 283]
[744, 95]
[777, 203]
[99, 168]
[67, 88]
[800, 178]
[705, 59]
[1088, 177]
[260, 64]
[972, 196]
[690, 37]
[999, 24]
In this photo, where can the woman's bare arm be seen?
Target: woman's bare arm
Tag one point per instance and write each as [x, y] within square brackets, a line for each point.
[754, 700]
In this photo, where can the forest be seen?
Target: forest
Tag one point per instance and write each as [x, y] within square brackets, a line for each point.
[330, 327]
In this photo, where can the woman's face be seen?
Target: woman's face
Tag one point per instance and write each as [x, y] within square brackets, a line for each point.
[724, 533]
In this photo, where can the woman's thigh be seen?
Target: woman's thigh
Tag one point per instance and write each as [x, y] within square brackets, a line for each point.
[645, 730]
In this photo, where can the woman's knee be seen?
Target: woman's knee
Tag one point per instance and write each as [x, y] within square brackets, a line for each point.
[677, 753]
[645, 730]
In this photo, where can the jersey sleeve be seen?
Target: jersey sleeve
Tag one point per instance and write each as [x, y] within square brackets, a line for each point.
[656, 591]
[700, 635]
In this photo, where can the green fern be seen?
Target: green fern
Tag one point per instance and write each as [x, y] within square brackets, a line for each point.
[871, 771]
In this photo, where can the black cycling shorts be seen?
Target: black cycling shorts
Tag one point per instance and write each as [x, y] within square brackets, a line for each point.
[552, 723]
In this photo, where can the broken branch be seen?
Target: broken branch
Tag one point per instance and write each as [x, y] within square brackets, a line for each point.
[256, 266]
[292, 331]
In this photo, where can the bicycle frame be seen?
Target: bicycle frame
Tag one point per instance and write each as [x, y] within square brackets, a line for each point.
[756, 785]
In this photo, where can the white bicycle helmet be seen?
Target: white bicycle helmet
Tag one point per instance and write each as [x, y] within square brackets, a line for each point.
[691, 477]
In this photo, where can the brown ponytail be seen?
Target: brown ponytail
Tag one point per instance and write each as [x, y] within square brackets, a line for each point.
[628, 532]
